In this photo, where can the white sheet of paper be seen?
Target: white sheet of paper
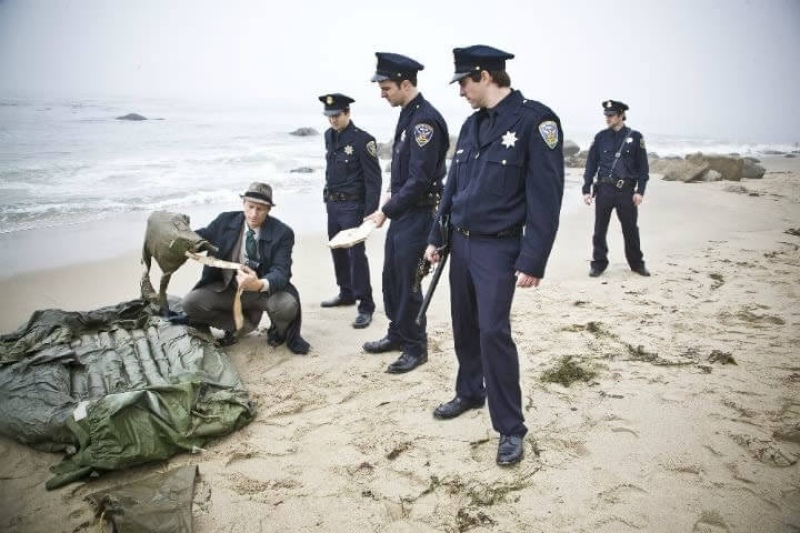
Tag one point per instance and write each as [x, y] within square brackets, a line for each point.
[349, 237]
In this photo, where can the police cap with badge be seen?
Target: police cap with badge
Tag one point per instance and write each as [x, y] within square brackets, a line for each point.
[477, 58]
[395, 67]
[335, 103]
[614, 107]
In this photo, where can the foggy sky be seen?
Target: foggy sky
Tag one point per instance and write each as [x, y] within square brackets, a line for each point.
[687, 67]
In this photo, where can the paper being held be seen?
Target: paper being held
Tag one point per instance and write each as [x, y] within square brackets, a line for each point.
[352, 236]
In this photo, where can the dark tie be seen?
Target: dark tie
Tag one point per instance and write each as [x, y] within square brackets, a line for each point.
[250, 248]
[485, 126]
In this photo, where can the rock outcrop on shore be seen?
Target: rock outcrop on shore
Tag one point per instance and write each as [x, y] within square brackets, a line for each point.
[707, 167]
[692, 168]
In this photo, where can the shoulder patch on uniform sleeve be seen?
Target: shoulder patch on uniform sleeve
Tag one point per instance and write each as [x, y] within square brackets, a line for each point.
[549, 132]
[372, 149]
[423, 133]
[641, 142]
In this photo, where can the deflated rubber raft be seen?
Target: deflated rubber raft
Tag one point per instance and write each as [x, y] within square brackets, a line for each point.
[115, 387]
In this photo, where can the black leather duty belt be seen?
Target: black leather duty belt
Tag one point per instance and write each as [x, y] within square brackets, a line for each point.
[342, 197]
[429, 200]
[616, 182]
[510, 232]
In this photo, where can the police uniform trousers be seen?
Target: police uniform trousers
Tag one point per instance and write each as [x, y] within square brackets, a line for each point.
[350, 264]
[406, 241]
[212, 304]
[608, 198]
[482, 284]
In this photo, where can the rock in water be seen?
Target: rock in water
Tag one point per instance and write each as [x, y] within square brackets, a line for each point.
[132, 116]
[304, 132]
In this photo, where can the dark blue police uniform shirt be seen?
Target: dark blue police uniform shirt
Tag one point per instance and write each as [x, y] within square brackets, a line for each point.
[632, 163]
[513, 179]
[353, 166]
[421, 141]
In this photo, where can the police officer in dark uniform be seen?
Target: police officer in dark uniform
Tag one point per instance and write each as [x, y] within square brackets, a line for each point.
[619, 159]
[503, 196]
[421, 141]
[352, 190]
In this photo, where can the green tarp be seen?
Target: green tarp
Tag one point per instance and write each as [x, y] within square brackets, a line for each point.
[115, 387]
[156, 504]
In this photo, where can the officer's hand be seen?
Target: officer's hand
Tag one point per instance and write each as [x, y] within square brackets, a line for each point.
[525, 281]
[378, 217]
[432, 254]
[587, 199]
[637, 199]
[247, 279]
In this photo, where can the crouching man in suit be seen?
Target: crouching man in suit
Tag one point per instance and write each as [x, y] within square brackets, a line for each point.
[262, 244]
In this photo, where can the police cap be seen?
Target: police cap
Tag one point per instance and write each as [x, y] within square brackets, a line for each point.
[477, 58]
[395, 67]
[614, 107]
[335, 103]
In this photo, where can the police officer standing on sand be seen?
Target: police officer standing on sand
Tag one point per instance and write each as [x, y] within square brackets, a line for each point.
[352, 190]
[421, 141]
[619, 159]
[503, 195]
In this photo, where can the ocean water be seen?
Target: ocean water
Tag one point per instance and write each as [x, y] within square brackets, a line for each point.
[65, 162]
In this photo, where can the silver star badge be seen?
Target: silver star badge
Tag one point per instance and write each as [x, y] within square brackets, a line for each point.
[509, 139]
[348, 150]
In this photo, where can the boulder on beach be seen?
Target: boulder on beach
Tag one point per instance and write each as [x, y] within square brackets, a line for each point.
[571, 148]
[132, 116]
[679, 170]
[729, 167]
[304, 132]
[752, 170]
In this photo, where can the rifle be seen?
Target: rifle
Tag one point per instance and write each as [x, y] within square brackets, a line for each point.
[424, 267]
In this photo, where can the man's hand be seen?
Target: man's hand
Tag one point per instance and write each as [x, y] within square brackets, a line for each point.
[378, 217]
[637, 199]
[587, 199]
[248, 280]
[525, 281]
[432, 254]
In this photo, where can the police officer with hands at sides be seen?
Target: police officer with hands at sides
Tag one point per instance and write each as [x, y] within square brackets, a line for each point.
[619, 159]
[418, 166]
[352, 190]
[503, 195]
[263, 245]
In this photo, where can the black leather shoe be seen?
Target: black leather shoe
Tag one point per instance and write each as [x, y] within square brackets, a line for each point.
[382, 346]
[595, 272]
[362, 320]
[642, 271]
[338, 301]
[407, 363]
[455, 407]
[228, 339]
[510, 450]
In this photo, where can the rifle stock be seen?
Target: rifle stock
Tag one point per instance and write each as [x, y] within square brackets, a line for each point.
[426, 302]
[444, 252]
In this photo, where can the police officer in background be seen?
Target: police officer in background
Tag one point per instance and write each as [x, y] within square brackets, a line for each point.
[503, 195]
[619, 158]
[352, 190]
[421, 141]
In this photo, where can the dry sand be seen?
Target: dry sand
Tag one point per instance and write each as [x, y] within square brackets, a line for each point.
[665, 437]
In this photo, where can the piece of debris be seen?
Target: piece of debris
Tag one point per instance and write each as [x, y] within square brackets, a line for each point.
[723, 358]
[567, 372]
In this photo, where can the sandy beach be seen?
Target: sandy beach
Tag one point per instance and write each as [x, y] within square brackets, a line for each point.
[665, 437]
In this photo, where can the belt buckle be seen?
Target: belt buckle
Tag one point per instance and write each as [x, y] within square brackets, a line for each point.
[620, 184]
